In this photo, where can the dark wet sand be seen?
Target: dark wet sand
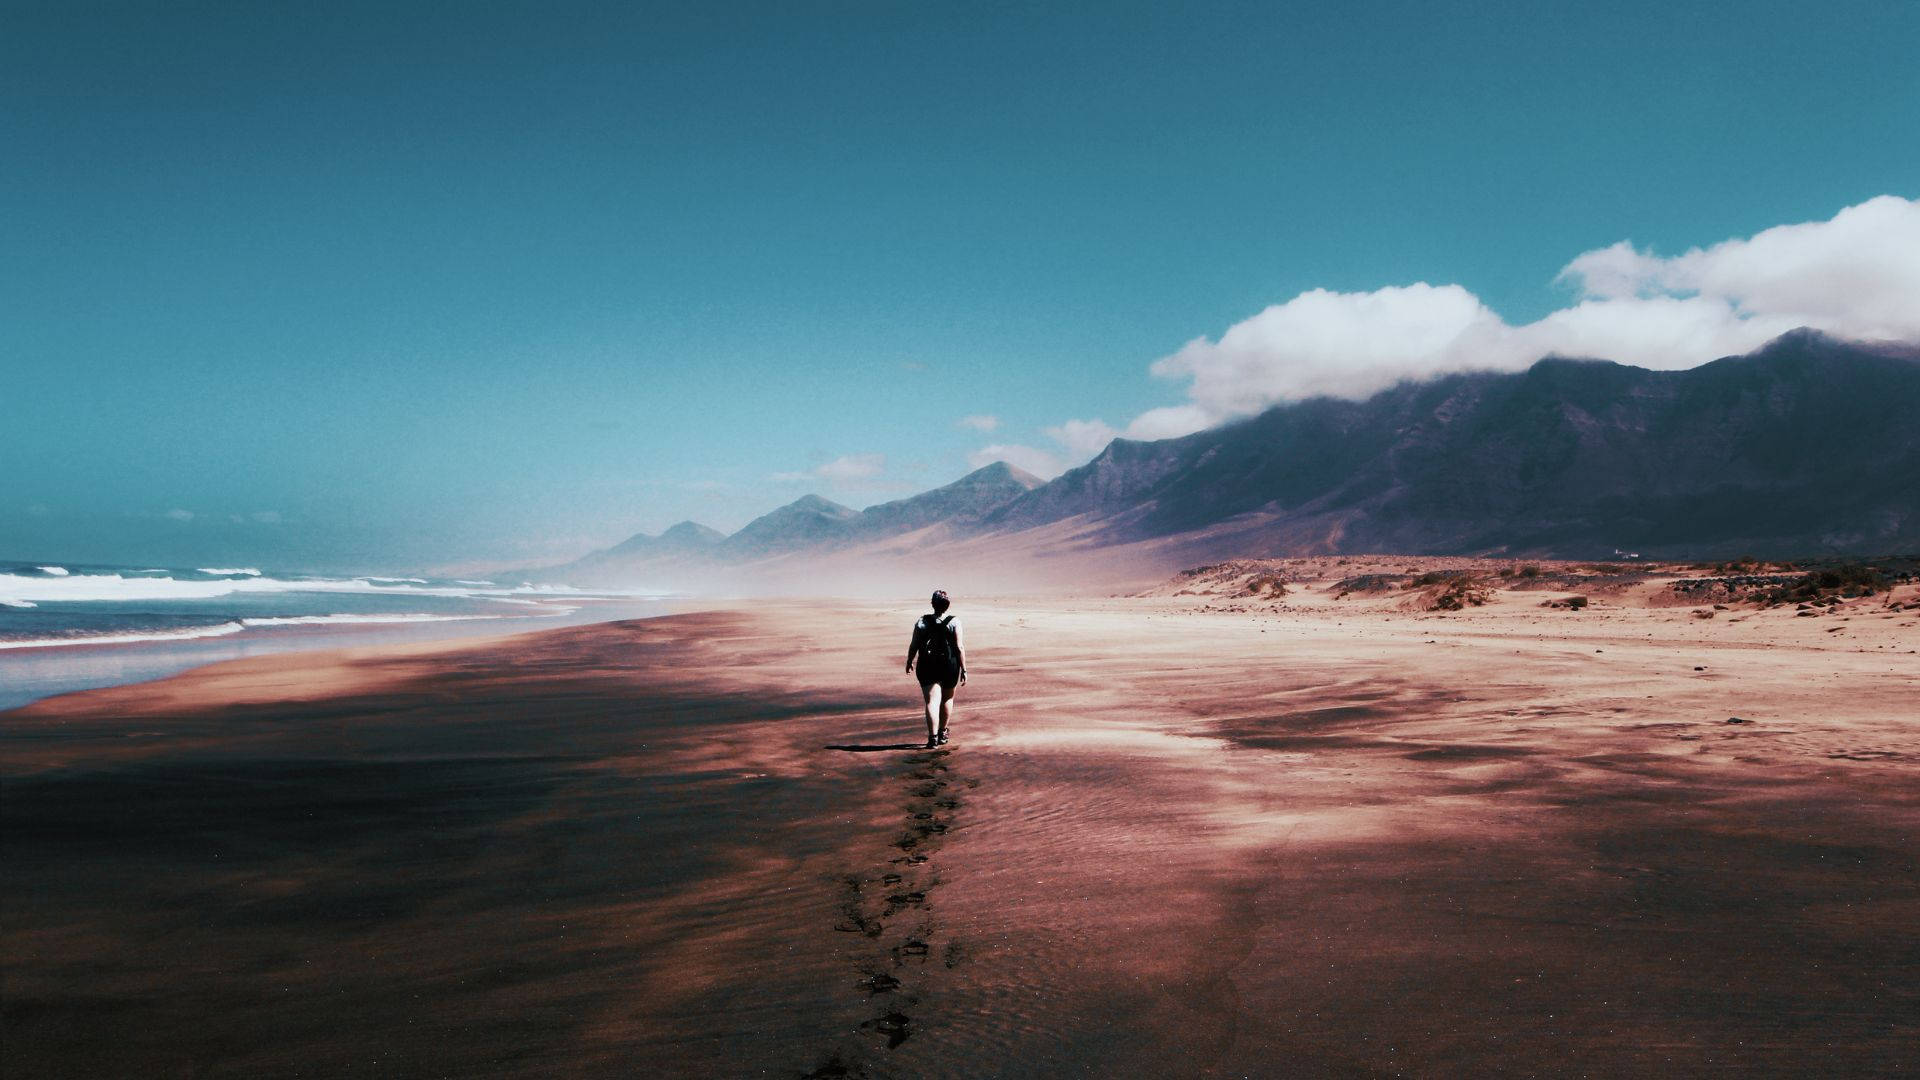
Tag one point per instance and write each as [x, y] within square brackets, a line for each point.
[1164, 844]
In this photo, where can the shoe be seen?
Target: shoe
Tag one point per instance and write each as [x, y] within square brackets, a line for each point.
[930, 745]
[943, 738]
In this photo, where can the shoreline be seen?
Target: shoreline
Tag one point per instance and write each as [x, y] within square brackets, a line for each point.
[47, 668]
[1166, 840]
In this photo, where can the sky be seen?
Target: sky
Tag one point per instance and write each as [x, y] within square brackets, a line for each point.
[425, 286]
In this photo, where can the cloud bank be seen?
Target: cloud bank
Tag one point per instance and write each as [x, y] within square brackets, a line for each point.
[1856, 275]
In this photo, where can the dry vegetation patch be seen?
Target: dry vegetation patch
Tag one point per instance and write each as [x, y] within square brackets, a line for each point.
[1240, 578]
[1456, 593]
[1815, 585]
[1455, 583]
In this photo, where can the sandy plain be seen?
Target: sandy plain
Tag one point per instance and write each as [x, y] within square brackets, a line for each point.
[1176, 835]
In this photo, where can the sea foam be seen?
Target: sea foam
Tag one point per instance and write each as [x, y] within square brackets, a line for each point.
[219, 630]
[24, 590]
[419, 617]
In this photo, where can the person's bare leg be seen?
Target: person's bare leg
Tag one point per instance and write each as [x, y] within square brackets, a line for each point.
[936, 706]
[946, 714]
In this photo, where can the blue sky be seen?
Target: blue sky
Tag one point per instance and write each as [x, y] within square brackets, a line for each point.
[402, 286]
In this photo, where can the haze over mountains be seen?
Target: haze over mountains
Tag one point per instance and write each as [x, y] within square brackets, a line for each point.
[1809, 445]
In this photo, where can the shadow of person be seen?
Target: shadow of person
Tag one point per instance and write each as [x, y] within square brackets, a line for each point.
[860, 748]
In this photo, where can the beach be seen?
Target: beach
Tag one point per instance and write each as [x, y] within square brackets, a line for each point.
[1174, 835]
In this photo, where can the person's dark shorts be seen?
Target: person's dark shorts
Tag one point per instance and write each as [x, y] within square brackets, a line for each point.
[946, 682]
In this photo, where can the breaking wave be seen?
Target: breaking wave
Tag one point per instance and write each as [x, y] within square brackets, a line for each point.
[23, 590]
[217, 630]
[328, 620]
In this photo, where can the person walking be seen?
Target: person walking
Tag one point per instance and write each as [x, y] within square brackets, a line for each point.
[943, 665]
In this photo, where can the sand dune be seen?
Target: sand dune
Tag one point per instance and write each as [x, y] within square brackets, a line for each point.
[1302, 837]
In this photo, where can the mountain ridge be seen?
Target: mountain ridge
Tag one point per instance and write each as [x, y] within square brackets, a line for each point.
[1809, 444]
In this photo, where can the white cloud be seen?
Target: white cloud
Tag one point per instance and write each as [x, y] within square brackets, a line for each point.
[1856, 275]
[1169, 422]
[1342, 344]
[853, 467]
[180, 515]
[850, 470]
[1078, 440]
[978, 422]
[1082, 439]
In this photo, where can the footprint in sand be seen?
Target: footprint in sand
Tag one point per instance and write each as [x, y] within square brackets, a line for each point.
[899, 902]
[897, 1027]
[836, 1068]
[929, 816]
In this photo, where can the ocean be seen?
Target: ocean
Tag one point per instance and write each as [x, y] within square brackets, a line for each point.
[74, 627]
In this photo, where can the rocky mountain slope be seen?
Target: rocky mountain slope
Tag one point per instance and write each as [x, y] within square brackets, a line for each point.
[1808, 445]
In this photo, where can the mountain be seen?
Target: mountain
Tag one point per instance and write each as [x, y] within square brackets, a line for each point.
[693, 552]
[961, 503]
[688, 537]
[1810, 444]
[812, 522]
[635, 560]
[808, 521]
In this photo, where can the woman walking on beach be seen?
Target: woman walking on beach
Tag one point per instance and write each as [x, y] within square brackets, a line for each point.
[943, 664]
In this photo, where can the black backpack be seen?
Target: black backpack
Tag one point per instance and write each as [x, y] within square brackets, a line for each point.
[938, 656]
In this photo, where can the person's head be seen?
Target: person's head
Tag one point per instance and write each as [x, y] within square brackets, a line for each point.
[940, 601]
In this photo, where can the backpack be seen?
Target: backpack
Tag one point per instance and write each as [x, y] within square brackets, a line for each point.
[938, 657]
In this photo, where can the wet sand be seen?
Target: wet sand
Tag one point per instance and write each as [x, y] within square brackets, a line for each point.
[1165, 842]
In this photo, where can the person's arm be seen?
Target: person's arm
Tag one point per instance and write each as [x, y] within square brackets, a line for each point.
[959, 651]
[913, 647]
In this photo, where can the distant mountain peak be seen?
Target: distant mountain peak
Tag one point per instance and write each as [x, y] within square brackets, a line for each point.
[1003, 470]
[812, 503]
[693, 533]
[685, 537]
[961, 503]
[1804, 335]
[805, 522]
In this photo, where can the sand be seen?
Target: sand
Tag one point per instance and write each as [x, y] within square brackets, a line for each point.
[1301, 837]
